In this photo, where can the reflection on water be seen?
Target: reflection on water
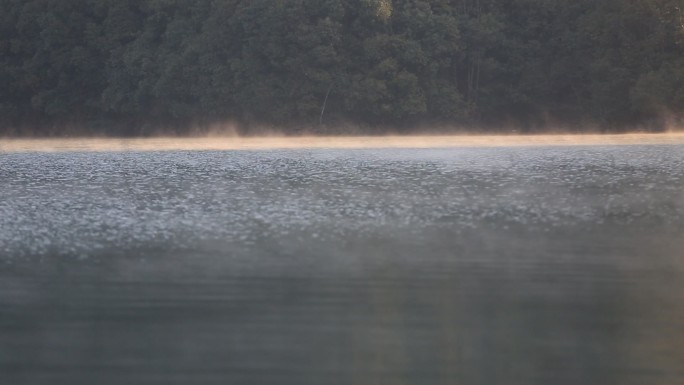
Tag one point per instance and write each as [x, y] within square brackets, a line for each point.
[547, 265]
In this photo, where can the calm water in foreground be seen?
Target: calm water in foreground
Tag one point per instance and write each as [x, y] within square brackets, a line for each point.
[509, 265]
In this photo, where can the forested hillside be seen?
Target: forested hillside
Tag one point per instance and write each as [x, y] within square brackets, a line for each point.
[131, 67]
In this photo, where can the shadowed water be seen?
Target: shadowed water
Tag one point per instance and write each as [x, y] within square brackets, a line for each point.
[512, 265]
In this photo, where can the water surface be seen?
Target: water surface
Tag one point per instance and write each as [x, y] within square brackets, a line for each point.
[539, 264]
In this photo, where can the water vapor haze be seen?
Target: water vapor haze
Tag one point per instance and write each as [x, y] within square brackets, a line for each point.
[218, 141]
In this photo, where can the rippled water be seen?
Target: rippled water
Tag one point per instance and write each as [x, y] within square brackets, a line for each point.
[509, 265]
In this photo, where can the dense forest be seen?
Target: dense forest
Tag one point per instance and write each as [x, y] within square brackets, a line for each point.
[135, 67]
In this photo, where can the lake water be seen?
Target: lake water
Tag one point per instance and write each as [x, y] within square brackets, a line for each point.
[539, 264]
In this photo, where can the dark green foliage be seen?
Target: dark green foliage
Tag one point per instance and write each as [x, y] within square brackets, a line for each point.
[131, 67]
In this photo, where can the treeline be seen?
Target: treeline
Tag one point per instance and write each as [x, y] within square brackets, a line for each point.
[131, 67]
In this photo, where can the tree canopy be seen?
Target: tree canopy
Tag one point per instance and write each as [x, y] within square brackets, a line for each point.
[132, 67]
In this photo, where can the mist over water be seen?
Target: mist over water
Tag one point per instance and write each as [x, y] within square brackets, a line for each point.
[521, 260]
[233, 142]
